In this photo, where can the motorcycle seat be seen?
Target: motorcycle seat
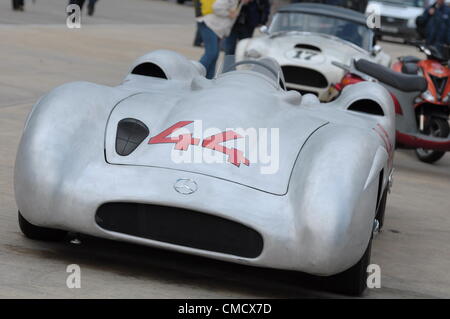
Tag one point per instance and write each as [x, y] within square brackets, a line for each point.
[402, 82]
[409, 59]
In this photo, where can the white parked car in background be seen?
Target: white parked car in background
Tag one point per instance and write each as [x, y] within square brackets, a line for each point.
[398, 17]
[306, 38]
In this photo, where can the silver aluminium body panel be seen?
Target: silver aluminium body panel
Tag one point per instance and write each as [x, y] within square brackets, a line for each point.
[315, 214]
[284, 49]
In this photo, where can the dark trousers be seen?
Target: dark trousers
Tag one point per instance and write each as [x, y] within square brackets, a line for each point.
[239, 32]
[16, 4]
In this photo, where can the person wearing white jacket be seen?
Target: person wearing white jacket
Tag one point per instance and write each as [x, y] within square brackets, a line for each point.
[215, 26]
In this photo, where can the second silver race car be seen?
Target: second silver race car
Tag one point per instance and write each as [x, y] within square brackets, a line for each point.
[306, 38]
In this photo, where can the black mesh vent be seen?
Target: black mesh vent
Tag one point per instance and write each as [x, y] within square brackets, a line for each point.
[180, 227]
[130, 133]
[394, 21]
[439, 83]
[304, 76]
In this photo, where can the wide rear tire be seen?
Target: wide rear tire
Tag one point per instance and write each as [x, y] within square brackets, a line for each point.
[40, 233]
[353, 281]
[382, 209]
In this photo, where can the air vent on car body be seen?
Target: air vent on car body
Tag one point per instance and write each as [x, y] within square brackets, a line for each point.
[307, 47]
[130, 133]
[180, 226]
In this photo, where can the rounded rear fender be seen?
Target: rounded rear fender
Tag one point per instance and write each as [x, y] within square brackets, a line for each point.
[367, 91]
[334, 197]
[63, 135]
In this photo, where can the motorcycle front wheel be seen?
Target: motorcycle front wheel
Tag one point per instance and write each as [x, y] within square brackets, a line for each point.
[437, 127]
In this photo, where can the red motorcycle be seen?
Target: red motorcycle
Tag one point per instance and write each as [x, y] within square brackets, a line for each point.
[432, 107]
[417, 127]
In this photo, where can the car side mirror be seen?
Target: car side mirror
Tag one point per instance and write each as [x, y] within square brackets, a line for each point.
[376, 50]
[264, 29]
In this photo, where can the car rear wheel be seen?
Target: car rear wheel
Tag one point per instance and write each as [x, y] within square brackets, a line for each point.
[382, 209]
[40, 233]
[437, 127]
[353, 281]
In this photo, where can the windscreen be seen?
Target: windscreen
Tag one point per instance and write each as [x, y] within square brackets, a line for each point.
[410, 3]
[355, 33]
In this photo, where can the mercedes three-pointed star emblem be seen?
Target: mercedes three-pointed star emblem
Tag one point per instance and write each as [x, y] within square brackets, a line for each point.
[185, 186]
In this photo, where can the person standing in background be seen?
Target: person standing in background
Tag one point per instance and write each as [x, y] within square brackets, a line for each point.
[254, 13]
[215, 23]
[435, 22]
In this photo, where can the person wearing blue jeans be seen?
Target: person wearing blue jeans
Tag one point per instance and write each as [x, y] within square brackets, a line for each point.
[216, 25]
[212, 49]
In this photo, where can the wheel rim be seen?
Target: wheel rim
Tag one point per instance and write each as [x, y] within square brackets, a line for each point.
[432, 129]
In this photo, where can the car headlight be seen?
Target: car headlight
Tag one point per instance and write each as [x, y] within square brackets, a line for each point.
[253, 54]
[428, 96]
[412, 23]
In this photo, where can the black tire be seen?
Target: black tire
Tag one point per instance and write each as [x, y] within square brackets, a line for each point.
[353, 281]
[437, 127]
[40, 233]
[181, 1]
[382, 209]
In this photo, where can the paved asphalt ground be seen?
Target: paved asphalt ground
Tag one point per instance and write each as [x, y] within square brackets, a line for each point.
[37, 53]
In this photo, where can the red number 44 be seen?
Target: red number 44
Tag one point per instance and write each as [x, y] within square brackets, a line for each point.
[183, 141]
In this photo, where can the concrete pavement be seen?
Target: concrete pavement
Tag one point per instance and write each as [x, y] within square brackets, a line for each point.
[37, 53]
[107, 12]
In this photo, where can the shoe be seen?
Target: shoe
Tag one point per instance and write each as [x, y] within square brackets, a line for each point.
[90, 11]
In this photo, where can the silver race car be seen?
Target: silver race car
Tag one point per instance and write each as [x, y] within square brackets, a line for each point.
[398, 17]
[306, 38]
[120, 163]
